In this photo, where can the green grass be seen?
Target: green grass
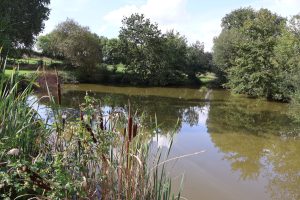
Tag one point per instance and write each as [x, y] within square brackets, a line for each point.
[21, 72]
[35, 60]
[207, 78]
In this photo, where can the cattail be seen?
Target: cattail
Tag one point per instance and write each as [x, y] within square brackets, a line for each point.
[130, 128]
[81, 116]
[124, 133]
[101, 124]
[134, 130]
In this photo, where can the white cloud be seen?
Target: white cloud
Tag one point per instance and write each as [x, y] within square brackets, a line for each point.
[169, 14]
[285, 8]
[115, 17]
[167, 11]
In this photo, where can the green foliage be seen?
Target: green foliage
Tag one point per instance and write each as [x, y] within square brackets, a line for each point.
[237, 18]
[46, 44]
[76, 44]
[224, 52]
[287, 55]
[153, 58]
[254, 72]
[142, 47]
[175, 56]
[149, 57]
[112, 51]
[247, 54]
[21, 21]
[198, 61]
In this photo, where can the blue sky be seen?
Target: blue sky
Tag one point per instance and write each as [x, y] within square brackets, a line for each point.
[196, 19]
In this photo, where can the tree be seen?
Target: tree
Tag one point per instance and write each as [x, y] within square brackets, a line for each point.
[76, 44]
[226, 45]
[142, 47]
[198, 61]
[22, 20]
[254, 72]
[175, 55]
[287, 53]
[245, 53]
[45, 43]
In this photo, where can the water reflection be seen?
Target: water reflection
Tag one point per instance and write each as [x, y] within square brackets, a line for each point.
[170, 113]
[258, 139]
[253, 146]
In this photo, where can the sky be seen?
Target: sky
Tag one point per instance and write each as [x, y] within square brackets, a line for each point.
[196, 19]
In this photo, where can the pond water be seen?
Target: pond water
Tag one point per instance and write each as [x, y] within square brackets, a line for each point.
[252, 147]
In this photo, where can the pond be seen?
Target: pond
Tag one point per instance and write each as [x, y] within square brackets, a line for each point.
[252, 147]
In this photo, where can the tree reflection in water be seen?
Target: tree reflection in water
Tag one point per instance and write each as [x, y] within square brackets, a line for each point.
[170, 113]
[258, 139]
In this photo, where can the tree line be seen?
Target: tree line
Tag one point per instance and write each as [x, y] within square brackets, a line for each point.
[148, 56]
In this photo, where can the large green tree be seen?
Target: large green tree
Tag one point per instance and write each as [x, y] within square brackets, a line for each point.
[245, 53]
[253, 71]
[225, 50]
[142, 48]
[77, 44]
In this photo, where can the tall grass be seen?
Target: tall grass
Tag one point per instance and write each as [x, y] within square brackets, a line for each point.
[97, 156]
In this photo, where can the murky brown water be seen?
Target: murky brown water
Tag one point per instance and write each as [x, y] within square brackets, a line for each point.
[252, 147]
